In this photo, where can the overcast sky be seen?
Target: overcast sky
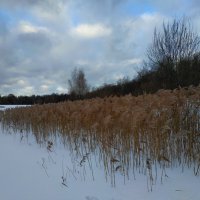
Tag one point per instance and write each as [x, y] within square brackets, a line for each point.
[42, 41]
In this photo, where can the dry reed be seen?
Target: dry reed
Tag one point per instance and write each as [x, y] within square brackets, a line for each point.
[127, 132]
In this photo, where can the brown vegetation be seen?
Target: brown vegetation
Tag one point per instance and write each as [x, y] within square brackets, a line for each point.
[151, 129]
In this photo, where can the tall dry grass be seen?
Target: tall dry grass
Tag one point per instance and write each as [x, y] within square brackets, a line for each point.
[152, 130]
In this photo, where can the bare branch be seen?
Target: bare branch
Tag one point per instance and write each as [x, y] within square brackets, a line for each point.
[78, 83]
[177, 41]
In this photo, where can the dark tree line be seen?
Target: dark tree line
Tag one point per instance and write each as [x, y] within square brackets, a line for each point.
[34, 99]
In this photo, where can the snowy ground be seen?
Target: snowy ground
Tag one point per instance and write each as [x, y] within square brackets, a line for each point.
[3, 107]
[29, 171]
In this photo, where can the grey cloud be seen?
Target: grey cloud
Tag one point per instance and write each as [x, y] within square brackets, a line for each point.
[46, 58]
[3, 28]
[33, 43]
[96, 5]
[49, 5]
[7, 50]
[15, 49]
[23, 56]
[119, 48]
[41, 57]
[22, 3]
[97, 10]
[110, 11]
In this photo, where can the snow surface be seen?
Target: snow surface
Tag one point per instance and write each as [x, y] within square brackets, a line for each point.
[4, 107]
[29, 171]
[23, 177]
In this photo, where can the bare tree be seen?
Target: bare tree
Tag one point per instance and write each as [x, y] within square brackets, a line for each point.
[177, 41]
[78, 83]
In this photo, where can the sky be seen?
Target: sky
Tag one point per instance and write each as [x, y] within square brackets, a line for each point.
[42, 41]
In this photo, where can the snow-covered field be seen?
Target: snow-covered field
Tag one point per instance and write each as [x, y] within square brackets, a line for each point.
[30, 171]
[3, 107]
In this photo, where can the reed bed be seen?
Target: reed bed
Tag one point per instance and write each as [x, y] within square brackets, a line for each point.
[141, 133]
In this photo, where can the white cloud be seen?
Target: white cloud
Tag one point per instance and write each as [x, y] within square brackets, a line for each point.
[61, 90]
[91, 31]
[44, 87]
[27, 27]
[133, 61]
[27, 90]
[21, 82]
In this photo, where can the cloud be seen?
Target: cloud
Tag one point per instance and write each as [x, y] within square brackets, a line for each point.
[169, 6]
[91, 31]
[33, 44]
[3, 29]
[96, 10]
[43, 4]
[131, 39]
[41, 41]
[27, 27]
[44, 57]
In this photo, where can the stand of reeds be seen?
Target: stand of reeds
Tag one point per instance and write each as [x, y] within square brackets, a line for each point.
[144, 133]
